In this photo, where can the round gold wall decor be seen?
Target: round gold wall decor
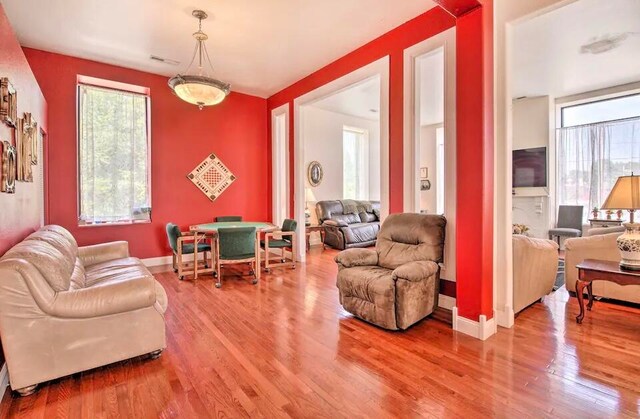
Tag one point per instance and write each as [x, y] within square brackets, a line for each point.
[314, 173]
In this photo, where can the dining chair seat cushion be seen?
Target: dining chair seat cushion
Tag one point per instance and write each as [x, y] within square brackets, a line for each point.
[275, 243]
[202, 247]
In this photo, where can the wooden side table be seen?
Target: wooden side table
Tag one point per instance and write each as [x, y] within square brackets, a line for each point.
[598, 222]
[590, 270]
[311, 229]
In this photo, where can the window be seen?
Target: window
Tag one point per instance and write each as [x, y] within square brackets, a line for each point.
[440, 170]
[597, 142]
[355, 163]
[113, 156]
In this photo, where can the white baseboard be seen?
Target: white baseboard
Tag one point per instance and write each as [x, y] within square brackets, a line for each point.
[481, 329]
[159, 261]
[4, 378]
[505, 318]
[444, 301]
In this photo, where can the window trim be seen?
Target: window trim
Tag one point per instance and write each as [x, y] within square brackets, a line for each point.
[365, 136]
[592, 100]
[121, 87]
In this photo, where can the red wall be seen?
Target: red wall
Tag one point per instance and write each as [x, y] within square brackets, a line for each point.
[181, 137]
[20, 212]
[474, 74]
[393, 44]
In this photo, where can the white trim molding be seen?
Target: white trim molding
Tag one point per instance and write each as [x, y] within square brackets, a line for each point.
[160, 261]
[380, 69]
[446, 302]
[482, 329]
[279, 169]
[445, 42]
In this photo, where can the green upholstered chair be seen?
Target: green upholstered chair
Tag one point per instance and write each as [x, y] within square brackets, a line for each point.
[283, 239]
[228, 218]
[179, 243]
[237, 245]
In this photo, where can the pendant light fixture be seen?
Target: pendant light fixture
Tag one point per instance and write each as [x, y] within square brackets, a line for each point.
[199, 88]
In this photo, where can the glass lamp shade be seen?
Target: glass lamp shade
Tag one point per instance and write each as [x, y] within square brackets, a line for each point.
[308, 195]
[198, 90]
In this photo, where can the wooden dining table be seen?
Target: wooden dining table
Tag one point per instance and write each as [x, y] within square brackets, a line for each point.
[211, 230]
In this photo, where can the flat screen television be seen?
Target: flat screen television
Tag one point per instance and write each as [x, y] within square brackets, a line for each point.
[530, 168]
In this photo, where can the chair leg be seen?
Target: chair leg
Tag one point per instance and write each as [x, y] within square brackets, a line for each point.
[173, 264]
[256, 270]
[219, 273]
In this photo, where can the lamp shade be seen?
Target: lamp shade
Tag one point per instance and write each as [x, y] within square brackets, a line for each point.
[625, 194]
[309, 196]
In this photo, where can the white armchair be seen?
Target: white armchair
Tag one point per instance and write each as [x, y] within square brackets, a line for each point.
[535, 266]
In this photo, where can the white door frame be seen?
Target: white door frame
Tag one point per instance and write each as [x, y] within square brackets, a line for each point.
[506, 16]
[443, 41]
[279, 169]
[379, 68]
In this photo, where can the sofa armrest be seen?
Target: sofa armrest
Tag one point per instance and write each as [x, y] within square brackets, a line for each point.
[108, 298]
[103, 252]
[415, 271]
[335, 223]
[356, 257]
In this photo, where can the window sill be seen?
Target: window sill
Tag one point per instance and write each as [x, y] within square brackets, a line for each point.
[113, 224]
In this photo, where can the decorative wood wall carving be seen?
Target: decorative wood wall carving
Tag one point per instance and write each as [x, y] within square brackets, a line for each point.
[8, 102]
[8, 172]
[212, 177]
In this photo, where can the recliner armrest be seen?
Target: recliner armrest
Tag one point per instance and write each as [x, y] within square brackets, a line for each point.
[335, 223]
[103, 252]
[105, 299]
[415, 271]
[356, 257]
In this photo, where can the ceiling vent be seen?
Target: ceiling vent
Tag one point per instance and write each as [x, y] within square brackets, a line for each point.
[604, 43]
[164, 60]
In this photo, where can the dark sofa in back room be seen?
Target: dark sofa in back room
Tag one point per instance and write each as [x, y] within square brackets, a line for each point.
[349, 223]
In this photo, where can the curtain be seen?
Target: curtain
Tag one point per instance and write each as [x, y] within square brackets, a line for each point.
[591, 158]
[113, 156]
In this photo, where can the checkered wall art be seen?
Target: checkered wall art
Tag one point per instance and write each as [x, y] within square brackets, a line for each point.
[212, 177]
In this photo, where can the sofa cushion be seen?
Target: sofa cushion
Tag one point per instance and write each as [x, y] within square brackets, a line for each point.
[61, 231]
[115, 270]
[360, 232]
[78, 276]
[368, 217]
[57, 240]
[346, 218]
[55, 267]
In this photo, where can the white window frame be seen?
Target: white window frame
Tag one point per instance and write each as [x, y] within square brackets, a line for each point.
[116, 86]
[362, 164]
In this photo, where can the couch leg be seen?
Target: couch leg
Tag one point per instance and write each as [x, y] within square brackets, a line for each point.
[155, 354]
[27, 391]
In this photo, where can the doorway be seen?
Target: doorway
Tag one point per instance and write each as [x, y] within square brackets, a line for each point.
[429, 136]
[280, 163]
[372, 81]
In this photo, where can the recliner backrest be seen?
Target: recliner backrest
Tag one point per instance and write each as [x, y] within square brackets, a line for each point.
[406, 238]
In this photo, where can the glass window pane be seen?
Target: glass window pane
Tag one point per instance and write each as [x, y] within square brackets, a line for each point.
[113, 156]
[604, 110]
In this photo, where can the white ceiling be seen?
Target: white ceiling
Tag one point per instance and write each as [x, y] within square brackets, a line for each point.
[258, 46]
[546, 49]
[358, 100]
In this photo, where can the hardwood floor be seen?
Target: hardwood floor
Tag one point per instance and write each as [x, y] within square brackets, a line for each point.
[285, 348]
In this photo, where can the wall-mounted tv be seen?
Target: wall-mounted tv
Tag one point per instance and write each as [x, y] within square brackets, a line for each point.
[530, 168]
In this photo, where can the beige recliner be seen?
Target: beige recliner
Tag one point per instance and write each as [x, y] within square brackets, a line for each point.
[397, 284]
[535, 267]
[65, 309]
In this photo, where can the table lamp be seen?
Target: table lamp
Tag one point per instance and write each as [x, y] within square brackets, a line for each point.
[625, 195]
[308, 197]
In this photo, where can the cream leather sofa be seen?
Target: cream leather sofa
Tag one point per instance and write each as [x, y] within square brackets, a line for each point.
[65, 309]
[603, 247]
[535, 266]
